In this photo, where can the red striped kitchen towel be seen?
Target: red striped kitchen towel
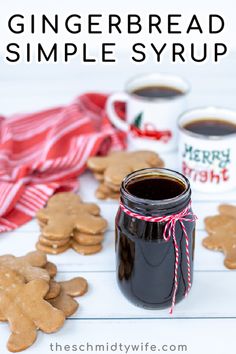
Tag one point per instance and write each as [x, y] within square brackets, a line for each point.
[45, 152]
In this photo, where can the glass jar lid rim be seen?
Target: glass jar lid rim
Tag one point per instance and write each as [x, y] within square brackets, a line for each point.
[155, 172]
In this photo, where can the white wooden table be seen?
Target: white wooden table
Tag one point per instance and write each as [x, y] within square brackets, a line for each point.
[206, 320]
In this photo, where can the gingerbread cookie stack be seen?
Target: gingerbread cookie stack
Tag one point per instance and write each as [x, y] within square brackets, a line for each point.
[110, 170]
[68, 222]
[31, 299]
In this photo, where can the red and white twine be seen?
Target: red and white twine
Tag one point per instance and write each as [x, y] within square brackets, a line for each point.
[170, 232]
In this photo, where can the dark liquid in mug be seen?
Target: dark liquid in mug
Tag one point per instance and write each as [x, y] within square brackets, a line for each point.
[145, 261]
[165, 92]
[211, 127]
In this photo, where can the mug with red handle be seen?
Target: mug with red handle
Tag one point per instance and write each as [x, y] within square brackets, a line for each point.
[151, 122]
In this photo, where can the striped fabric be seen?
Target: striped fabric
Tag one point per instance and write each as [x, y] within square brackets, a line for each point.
[45, 152]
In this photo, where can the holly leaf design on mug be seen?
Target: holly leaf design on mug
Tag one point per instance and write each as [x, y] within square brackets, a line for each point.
[138, 120]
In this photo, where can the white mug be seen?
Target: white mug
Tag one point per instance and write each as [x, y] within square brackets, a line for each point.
[209, 162]
[151, 123]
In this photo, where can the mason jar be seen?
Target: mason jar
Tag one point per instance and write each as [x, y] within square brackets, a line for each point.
[155, 232]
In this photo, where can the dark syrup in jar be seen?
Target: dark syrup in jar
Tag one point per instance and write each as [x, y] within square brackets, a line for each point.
[145, 261]
[156, 188]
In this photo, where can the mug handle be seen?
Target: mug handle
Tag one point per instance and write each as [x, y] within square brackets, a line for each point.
[114, 118]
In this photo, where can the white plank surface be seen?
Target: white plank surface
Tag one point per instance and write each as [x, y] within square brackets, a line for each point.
[206, 320]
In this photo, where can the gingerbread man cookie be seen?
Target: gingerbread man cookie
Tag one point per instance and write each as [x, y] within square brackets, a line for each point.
[29, 303]
[30, 266]
[67, 222]
[24, 307]
[110, 170]
[221, 230]
[69, 289]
